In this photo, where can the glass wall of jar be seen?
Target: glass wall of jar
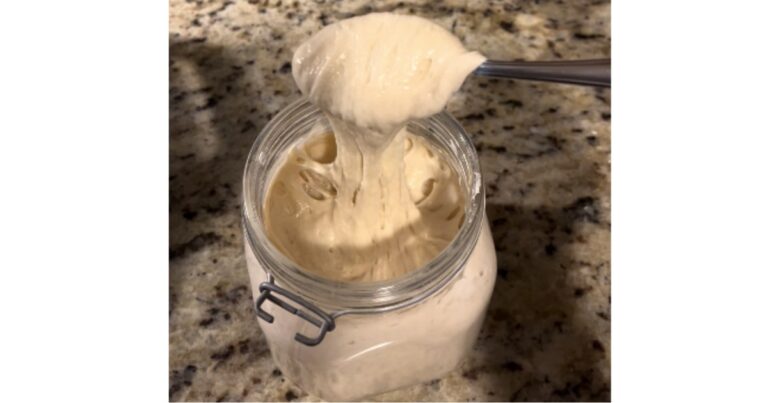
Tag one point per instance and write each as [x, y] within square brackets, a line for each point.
[344, 340]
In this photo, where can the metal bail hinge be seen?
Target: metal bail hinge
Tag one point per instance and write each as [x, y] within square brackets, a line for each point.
[322, 320]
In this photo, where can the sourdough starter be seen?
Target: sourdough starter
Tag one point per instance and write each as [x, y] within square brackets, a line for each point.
[372, 202]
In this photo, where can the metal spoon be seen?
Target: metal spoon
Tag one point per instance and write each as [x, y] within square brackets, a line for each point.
[583, 72]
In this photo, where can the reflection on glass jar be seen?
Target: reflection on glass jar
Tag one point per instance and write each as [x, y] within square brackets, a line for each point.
[344, 340]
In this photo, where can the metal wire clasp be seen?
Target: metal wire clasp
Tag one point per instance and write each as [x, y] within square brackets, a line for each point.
[322, 320]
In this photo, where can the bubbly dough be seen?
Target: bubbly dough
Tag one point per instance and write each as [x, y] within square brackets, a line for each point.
[345, 225]
[370, 201]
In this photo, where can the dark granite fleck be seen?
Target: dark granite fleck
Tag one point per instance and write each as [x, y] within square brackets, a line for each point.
[232, 296]
[223, 7]
[223, 354]
[215, 207]
[210, 103]
[598, 346]
[550, 249]
[198, 242]
[522, 157]
[181, 379]
[584, 209]
[507, 26]
[513, 103]
[290, 396]
[473, 116]
[512, 366]
[498, 149]
[247, 126]
[583, 36]
[243, 346]
[555, 52]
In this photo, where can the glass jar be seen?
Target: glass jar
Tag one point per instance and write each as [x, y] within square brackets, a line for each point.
[345, 341]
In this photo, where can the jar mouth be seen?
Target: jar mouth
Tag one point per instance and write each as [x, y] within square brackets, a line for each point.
[291, 125]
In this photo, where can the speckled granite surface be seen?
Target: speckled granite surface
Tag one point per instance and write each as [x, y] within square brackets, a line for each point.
[545, 152]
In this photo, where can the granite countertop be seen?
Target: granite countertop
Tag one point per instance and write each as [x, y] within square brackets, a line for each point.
[545, 154]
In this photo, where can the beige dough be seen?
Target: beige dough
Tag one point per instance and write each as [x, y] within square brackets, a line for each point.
[345, 224]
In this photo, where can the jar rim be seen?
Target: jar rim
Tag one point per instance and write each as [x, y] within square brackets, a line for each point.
[362, 297]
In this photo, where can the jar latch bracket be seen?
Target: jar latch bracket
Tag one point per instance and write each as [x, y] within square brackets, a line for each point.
[269, 291]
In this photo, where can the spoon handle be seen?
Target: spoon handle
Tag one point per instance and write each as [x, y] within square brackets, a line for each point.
[583, 72]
